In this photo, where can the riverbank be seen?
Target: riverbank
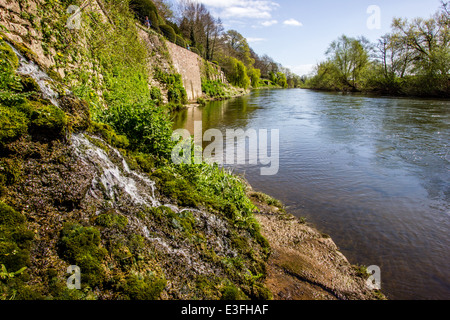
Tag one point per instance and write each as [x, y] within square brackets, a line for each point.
[306, 264]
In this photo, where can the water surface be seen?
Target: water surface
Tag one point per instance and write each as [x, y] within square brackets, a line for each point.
[372, 172]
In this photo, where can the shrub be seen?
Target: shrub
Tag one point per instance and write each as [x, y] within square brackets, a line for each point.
[147, 127]
[168, 32]
[155, 95]
[213, 89]
[144, 8]
[180, 41]
[195, 50]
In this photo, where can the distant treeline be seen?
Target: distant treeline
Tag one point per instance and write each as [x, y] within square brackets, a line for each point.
[192, 26]
[413, 59]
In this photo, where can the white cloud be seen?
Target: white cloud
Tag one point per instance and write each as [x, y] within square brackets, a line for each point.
[293, 22]
[269, 23]
[255, 40]
[254, 9]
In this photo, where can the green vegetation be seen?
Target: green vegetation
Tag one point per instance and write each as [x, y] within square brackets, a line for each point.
[48, 120]
[111, 100]
[214, 89]
[411, 60]
[146, 288]
[81, 246]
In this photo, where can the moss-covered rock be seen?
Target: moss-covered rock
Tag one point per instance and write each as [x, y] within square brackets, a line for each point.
[13, 124]
[80, 246]
[48, 121]
[79, 116]
[111, 219]
[107, 133]
[7, 53]
[29, 84]
[15, 239]
[142, 288]
[177, 188]
[10, 171]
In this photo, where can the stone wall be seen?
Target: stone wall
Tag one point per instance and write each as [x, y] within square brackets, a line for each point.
[187, 64]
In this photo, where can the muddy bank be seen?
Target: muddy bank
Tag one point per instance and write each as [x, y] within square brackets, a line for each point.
[305, 264]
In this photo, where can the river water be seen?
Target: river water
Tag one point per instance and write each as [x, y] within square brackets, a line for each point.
[372, 172]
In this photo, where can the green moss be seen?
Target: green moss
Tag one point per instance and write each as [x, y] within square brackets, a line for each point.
[8, 54]
[10, 171]
[13, 125]
[260, 292]
[15, 239]
[79, 116]
[112, 220]
[142, 288]
[268, 200]
[80, 246]
[108, 134]
[177, 188]
[232, 293]
[48, 121]
[29, 84]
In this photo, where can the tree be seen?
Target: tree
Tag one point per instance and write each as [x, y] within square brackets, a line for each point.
[238, 73]
[255, 76]
[350, 56]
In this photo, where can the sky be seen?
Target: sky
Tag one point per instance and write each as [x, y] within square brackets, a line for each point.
[296, 33]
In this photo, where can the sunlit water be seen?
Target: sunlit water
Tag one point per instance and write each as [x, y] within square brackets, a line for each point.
[371, 172]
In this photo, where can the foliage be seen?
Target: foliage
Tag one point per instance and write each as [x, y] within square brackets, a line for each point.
[180, 41]
[147, 127]
[15, 239]
[144, 8]
[214, 89]
[80, 246]
[168, 32]
[255, 75]
[176, 93]
[156, 96]
[142, 288]
[411, 60]
[238, 73]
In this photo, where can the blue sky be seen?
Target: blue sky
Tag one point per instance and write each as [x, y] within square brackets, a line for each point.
[297, 33]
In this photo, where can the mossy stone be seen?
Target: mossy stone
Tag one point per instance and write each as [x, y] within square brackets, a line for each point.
[49, 121]
[79, 115]
[13, 124]
[8, 54]
[80, 246]
[15, 239]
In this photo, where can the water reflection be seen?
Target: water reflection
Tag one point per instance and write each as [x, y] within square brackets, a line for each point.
[372, 172]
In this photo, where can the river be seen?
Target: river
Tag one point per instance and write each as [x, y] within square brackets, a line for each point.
[372, 172]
